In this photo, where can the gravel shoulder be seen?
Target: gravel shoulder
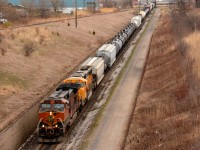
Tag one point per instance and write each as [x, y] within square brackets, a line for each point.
[112, 128]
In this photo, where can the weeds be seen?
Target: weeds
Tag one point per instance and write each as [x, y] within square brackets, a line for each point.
[7, 24]
[100, 40]
[37, 31]
[29, 48]
[1, 37]
[42, 39]
[93, 32]
[3, 51]
[12, 36]
[9, 79]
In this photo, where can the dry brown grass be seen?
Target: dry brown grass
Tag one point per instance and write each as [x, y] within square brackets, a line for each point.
[37, 35]
[192, 41]
[167, 111]
[108, 10]
[8, 90]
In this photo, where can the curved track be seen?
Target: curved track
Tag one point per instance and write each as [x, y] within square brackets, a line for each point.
[32, 142]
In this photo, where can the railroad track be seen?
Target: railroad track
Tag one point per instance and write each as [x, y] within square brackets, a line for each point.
[33, 143]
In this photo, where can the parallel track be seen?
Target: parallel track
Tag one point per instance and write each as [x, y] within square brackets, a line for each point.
[33, 144]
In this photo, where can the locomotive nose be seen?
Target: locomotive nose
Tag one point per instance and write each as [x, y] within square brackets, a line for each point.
[50, 132]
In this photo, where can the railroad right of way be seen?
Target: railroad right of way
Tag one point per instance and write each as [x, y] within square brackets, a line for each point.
[112, 129]
[33, 143]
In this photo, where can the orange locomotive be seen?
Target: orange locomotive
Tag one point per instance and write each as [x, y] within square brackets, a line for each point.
[61, 108]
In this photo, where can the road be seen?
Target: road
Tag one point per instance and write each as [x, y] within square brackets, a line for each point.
[111, 132]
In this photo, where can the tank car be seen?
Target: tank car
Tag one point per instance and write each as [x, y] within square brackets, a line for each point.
[118, 43]
[137, 20]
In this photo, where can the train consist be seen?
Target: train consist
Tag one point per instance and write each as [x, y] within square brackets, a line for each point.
[60, 109]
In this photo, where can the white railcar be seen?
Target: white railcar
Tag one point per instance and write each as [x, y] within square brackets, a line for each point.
[137, 20]
[108, 53]
[143, 14]
[98, 67]
[118, 43]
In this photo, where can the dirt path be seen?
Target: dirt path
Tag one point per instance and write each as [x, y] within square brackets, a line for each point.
[111, 131]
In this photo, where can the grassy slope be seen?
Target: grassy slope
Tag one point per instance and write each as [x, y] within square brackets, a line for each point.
[167, 110]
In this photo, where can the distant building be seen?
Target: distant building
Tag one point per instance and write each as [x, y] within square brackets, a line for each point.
[67, 3]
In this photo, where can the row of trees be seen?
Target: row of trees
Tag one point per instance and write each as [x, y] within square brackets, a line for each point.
[117, 3]
[55, 4]
[31, 8]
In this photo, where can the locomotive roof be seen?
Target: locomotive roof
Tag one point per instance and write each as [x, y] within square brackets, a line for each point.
[64, 91]
[68, 86]
[61, 95]
[83, 72]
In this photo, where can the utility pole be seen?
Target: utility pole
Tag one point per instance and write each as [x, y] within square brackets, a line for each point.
[75, 1]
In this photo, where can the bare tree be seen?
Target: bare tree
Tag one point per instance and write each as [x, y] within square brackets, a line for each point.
[198, 3]
[8, 12]
[57, 5]
[124, 3]
[182, 18]
[3, 5]
[2, 2]
[180, 7]
[43, 8]
[29, 6]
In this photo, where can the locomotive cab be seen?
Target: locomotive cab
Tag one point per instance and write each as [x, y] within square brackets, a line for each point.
[54, 115]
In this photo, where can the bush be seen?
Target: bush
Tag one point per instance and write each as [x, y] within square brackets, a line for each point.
[37, 31]
[29, 48]
[3, 51]
[12, 36]
[93, 33]
[42, 39]
[1, 37]
[7, 24]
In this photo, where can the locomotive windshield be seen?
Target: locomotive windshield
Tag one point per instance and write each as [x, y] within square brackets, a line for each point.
[58, 107]
[45, 107]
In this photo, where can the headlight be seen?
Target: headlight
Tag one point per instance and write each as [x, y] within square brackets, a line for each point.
[43, 126]
[56, 125]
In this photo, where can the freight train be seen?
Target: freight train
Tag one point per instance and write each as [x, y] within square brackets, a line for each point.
[60, 109]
